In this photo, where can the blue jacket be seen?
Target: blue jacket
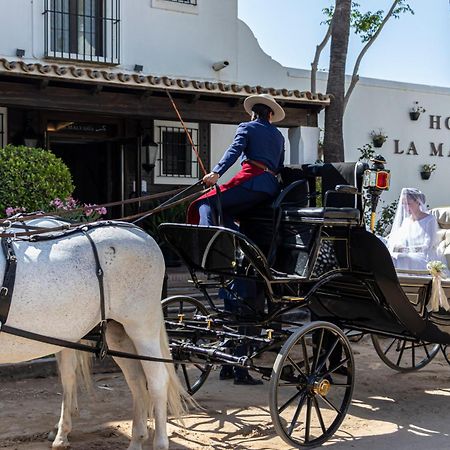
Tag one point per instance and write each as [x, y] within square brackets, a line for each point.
[257, 140]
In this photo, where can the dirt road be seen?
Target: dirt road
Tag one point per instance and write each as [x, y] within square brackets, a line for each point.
[389, 411]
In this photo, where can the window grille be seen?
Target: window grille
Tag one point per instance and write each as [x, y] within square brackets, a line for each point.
[176, 157]
[86, 30]
[186, 2]
[2, 129]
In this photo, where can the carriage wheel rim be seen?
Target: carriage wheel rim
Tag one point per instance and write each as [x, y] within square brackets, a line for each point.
[181, 369]
[313, 390]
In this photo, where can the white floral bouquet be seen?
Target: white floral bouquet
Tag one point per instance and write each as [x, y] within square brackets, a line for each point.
[438, 299]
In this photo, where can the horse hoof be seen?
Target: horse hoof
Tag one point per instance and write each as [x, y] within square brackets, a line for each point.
[60, 445]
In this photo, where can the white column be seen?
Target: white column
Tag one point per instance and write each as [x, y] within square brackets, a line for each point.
[303, 142]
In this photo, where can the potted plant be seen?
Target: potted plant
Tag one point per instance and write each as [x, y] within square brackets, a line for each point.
[426, 171]
[415, 111]
[378, 137]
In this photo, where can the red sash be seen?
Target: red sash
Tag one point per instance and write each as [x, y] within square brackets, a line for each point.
[247, 172]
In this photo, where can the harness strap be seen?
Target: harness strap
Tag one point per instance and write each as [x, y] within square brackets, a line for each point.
[81, 347]
[6, 291]
[102, 345]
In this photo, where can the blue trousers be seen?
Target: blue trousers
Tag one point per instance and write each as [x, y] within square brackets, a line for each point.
[234, 201]
[246, 297]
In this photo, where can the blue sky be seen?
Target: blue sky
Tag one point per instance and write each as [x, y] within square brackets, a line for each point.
[414, 48]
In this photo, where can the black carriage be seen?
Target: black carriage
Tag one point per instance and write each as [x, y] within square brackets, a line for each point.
[324, 276]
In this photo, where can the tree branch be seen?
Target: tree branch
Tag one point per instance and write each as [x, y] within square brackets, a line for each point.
[315, 63]
[355, 76]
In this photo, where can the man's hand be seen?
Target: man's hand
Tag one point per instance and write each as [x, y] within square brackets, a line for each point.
[211, 178]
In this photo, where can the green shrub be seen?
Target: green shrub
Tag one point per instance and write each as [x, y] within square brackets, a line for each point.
[31, 178]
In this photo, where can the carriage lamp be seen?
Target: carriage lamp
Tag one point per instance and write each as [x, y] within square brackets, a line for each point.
[150, 149]
[376, 180]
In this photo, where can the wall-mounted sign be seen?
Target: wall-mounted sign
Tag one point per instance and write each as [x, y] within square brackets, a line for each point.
[66, 127]
[435, 148]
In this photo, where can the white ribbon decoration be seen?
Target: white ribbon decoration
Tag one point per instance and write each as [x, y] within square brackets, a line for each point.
[438, 299]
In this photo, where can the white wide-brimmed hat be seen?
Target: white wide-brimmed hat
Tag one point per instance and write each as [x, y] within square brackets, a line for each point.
[268, 100]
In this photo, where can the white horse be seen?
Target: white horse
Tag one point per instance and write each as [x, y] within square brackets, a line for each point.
[57, 294]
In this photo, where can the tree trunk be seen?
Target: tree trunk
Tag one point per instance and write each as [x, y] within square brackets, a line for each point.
[334, 135]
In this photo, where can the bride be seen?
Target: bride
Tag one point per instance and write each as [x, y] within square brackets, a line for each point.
[413, 239]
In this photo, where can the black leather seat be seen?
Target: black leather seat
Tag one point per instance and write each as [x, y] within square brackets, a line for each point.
[328, 214]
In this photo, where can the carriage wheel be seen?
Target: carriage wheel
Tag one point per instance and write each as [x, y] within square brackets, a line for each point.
[311, 384]
[192, 375]
[404, 355]
[446, 352]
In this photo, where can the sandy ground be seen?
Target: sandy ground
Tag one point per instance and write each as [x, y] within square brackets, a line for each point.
[389, 411]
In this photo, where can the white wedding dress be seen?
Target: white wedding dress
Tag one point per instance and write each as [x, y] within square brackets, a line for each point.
[413, 240]
[416, 243]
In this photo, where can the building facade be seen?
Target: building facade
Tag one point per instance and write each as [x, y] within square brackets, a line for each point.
[89, 79]
[92, 80]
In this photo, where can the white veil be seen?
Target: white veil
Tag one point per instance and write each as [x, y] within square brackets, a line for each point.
[413, 234]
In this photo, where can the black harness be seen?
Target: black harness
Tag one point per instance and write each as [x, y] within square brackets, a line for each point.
[7, 289]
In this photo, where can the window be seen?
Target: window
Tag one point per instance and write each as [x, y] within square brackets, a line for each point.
[86, 30]
[2, 127]
[176, 162]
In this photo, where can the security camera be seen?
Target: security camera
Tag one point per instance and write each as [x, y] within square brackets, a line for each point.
[220, 65]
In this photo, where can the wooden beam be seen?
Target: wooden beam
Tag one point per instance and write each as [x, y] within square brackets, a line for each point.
[56, 98]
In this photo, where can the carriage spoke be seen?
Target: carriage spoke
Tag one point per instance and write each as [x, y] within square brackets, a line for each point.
[426, 349]
[329, 403]
[186, 377]
[401, 353]
[319, 415]
[199, 367]
[337, 367]
[296, 367]
[308, 420]
[390, 346]
[413, 354]
[286, 404]
[305, 356]
[329, 352]
[296, 414]
[318, 349]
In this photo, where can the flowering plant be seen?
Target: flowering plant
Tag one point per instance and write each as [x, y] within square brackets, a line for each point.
[430, 168]
[417, 108]
[74, 210]
[379, 135]
[69, 208]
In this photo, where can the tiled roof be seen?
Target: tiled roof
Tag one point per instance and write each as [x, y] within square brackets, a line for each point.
[104, 76]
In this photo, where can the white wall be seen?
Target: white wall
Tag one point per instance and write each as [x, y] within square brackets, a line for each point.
[382, 104]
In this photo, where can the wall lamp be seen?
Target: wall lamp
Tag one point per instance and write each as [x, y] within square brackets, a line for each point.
[20, 52]
[220, 65]
[138, 68]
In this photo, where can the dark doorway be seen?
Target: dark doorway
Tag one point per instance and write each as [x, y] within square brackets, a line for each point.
[95, 169]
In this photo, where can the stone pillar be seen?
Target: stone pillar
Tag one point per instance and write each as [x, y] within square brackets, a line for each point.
[303, 142]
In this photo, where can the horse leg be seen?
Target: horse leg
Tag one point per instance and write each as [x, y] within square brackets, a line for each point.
[147, 342]
[135, 377]
[67, 364]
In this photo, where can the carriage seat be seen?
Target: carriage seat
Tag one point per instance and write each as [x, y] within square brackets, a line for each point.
[442, 215]
[327, 215]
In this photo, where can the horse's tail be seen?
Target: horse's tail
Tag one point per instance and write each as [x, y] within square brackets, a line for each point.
[178, 400]
[84, 368]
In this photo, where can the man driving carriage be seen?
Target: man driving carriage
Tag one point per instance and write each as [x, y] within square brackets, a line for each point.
[261, 148]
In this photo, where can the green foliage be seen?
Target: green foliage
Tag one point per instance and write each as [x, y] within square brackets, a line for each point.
[385, 217]
[31, 178]
[367, 152]
[366, 24]
[428, 168]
